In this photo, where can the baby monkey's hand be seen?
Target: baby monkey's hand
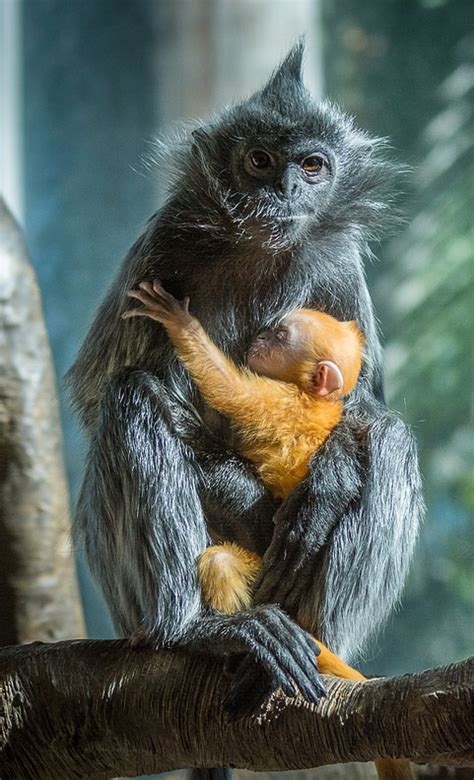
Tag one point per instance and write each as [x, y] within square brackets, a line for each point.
[159, 305]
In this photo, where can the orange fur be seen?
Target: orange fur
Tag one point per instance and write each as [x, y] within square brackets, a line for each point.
[226, 574]
[279, 422]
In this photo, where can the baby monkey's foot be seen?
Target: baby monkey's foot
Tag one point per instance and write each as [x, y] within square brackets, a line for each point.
[158, 304]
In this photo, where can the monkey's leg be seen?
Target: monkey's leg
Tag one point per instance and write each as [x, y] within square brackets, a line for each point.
[227, 573]
[144, 528]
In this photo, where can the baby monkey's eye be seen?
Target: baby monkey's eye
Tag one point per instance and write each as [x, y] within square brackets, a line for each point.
[281, 334]
[258, 161]
[314, 164]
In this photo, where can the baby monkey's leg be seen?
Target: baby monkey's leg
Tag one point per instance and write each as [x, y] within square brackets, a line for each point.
[227, 573]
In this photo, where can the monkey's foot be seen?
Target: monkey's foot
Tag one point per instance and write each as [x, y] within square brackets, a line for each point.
[270, 641]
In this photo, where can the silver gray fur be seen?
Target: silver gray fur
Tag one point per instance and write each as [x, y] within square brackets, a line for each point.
[161, 466]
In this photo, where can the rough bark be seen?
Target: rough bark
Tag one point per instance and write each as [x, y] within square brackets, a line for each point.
[38, 591]
[100, 709]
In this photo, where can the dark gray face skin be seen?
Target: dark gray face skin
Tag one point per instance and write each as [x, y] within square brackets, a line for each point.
[248, 244]
[290, 181]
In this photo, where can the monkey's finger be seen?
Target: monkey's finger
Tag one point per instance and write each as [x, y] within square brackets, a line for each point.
[294, 651]
[258, 642]
[148, 288]
[285, 656]
[262, 653]
[158, 287]
[165, 296]
[155, 307]
[152, 315]
[250, 669]
[143, 297]
[254, 690]
[159, 295]
[160, 290]
[303, 666]
[297, 656]
[185, 303]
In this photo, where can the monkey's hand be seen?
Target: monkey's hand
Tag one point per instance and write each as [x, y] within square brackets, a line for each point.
[159, 305]
[269, 651]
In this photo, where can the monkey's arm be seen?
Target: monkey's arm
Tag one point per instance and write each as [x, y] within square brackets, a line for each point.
[235, 392]
[237, 505]
[306, 519]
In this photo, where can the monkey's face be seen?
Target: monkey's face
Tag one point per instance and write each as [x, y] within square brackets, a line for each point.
[305, 340]
[283, 181]
[283, 352]
[269, 353]
[280, 165]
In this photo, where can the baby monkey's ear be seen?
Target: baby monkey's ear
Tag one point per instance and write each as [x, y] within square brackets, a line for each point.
[326, 379]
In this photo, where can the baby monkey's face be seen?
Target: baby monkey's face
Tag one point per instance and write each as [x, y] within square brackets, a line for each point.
[310, 349]
[279, 353]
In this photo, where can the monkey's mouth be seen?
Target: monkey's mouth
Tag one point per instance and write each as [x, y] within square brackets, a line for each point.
[256, 355]
[254, 352]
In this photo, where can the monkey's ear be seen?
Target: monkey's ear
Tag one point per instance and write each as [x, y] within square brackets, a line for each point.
[290, 71]
[326, 379]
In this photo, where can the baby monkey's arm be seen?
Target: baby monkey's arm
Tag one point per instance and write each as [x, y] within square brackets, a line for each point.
[226, 387]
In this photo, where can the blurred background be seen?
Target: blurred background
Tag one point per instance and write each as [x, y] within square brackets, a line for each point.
[87, 84]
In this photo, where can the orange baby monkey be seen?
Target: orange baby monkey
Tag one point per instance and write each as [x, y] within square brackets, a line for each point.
[283, 406]
[287, 404]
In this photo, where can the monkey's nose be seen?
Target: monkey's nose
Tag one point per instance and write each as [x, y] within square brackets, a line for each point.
[287, 185]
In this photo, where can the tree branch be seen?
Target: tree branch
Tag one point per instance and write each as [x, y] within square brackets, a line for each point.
[100, 709]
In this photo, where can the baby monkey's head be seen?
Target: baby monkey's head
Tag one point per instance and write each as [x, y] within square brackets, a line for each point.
[318, 353]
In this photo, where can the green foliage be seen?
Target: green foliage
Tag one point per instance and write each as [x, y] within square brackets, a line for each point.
[405, 68]
[430, 355]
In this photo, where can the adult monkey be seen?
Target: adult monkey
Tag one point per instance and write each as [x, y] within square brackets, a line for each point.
[270, 209]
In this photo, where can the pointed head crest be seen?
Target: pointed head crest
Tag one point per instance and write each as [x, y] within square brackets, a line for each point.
[287, 78]
[290, 70]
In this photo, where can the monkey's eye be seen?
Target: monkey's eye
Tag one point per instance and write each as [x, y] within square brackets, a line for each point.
[314, 165]
[281, 334]
[258, 161]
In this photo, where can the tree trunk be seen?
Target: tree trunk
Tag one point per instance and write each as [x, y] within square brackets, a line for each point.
[100, 709]
[38, 590]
